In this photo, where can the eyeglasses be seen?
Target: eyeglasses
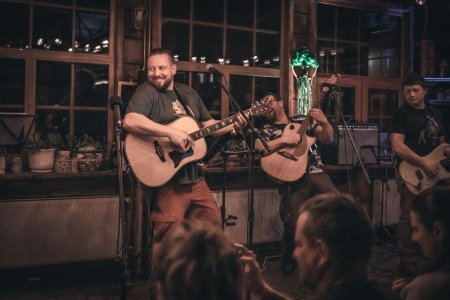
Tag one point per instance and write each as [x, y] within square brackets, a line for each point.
[162, 68]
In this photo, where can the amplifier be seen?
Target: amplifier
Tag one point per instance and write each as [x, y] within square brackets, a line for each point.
[341, 152]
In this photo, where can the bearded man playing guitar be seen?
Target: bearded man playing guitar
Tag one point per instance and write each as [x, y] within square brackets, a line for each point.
[313, 181]
[416, 131]
[156, 103]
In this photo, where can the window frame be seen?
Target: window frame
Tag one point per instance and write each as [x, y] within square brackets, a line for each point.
[32, 55]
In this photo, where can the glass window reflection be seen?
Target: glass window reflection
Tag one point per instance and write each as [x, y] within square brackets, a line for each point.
[176, 38]
[12, 81]
[92, 32]
[208, 43]
[52, 83]
[209, 10]
[52, 28]
[91, 85]
[14, 24]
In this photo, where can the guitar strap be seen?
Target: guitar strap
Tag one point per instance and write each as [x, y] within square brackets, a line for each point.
[186, 108]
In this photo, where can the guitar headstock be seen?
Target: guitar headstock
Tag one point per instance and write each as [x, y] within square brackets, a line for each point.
[330, 83]
[260, 107]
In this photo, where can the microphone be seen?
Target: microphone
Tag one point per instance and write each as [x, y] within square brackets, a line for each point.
[116, 104]
[213, 70]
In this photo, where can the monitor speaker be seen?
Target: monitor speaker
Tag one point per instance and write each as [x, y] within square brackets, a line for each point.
[341, 152]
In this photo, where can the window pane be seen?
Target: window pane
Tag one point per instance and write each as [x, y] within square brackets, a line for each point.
[53, 121]
[264, 85]
[347, 56]
[52, 83]
[12, 81]
[326, 58]
[14, 23]
[268, 14]
[92, 30]
[176, 9]
[209, 89]
[268, 48]
[52, 28]
[240, 12]
[241, 89]
[348, 102]
[99, 4]
[209, 10]
[91, 85]
[347, 24]
[93, 123]
[325, 21]
[175, 36]
[208, 42]
[239, 45]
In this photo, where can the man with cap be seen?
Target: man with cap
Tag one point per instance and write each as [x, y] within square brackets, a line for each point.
[416, 130]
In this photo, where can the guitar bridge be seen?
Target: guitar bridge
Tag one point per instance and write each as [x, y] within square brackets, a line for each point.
[287, 155]
[159, 151]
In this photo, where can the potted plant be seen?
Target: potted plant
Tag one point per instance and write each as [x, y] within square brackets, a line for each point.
[89, 153]
[41, 152]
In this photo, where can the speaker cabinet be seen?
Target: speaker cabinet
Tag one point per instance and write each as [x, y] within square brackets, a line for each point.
[341, 152]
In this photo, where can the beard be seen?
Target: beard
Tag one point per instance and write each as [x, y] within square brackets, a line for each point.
[161, 86]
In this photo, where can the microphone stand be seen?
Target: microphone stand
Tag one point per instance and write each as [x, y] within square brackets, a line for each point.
[338, 97]
[126, 273]
[251, 212]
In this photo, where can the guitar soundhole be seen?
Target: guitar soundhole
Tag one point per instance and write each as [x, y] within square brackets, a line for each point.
[159, 151]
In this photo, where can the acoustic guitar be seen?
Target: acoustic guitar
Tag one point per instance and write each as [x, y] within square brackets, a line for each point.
[289, 163]
[154, 161]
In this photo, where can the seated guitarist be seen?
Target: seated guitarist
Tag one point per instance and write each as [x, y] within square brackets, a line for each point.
[156, 103]
[416, 130]
[293, 194]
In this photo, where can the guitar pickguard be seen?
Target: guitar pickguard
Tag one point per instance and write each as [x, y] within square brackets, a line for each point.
[177, 157]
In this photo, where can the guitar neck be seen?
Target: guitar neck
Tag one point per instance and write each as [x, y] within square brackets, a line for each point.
[307, 121]
[205, 131]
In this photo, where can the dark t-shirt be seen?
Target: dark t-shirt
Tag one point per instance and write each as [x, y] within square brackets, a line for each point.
[367, 290]
[419, 126]
[164, 108]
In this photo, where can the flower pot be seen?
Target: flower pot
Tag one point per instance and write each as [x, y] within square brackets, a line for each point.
[41, 161]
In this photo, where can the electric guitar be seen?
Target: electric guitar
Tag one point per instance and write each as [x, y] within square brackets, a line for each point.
[289, 163]
[417, 180]
[154, 161]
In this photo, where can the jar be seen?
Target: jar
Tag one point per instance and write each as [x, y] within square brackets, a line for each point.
[16, 164]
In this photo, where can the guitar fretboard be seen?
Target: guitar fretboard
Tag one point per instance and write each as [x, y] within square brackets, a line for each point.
[205, 131]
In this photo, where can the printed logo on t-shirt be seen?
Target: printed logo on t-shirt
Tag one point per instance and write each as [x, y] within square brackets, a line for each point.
[431, 131]
[178, 108]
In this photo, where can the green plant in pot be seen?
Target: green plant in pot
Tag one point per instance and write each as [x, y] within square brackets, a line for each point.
[41, 151]
[89, 153]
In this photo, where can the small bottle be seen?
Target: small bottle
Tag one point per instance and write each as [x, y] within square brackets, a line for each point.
[443, 67]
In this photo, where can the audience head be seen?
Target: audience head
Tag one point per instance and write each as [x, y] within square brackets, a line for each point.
[430, 219]
[333, 235]
[197, 262]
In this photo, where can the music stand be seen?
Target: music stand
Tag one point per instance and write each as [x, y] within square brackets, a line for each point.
[12, 128]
